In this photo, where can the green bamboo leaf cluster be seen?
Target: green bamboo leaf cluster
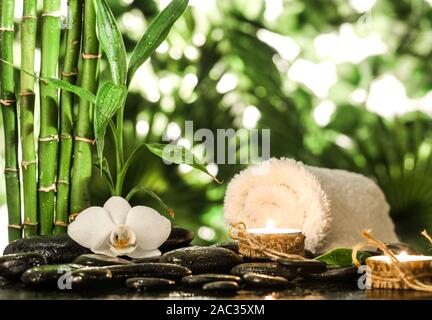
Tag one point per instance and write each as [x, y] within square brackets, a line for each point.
[64, 161]
[112, 96]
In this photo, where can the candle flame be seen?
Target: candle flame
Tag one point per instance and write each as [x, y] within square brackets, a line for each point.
[270, 224]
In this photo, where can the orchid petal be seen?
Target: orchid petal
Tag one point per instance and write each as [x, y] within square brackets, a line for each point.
[91, 228]
[122, 252]
[139, 253]
[150, 228]
[118, 208]
[104, 249]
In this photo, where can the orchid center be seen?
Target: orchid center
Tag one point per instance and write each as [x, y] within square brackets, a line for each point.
[122, 237]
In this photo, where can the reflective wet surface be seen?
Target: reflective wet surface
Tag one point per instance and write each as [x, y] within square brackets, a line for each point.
[299, 290]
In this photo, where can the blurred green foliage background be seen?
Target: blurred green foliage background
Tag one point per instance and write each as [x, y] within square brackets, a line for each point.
[340, 83]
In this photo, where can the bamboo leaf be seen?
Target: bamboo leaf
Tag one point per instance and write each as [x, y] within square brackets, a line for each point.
[341, 257]
[111, 41]
[110, 98]
[57, 83]
[179, 155]
[153, 195]
[155, 34]
[81, 92]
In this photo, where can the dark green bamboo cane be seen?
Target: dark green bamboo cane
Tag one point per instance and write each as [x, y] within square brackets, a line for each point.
[10, 121]
[69, 74]
[82, 162]
[48, 138]
[27, 99]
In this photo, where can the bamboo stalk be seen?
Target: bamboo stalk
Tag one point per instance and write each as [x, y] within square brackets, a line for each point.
[48, 138]
[27, 99]
[10, 121]
[82, 162]
[70, 70]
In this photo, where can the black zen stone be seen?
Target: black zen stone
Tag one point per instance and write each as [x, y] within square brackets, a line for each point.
[13, 265]
[150, 284]
[100, 260]
[343, 274]
[265, 281]
[267, 268]
[47, 274]
[203, 259]
[178, 238]
[304, 266]
[115, 275]
[221, 286]
[56, 249]
[200, 279]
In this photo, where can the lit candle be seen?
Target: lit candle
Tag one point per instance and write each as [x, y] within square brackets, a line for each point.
[280, 240]
[384, 274]
[271, 229]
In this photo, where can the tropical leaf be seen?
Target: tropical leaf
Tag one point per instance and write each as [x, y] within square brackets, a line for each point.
[57, 83]
[155, 34]
[64, 85]
[177, 154]
[110, 98]
[111, 41]
[341, 257]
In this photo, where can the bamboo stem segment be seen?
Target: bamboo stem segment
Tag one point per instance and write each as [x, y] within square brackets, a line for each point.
[27, 100]
[82, 161]
[48, 139]
[69, 74]
[10, 120]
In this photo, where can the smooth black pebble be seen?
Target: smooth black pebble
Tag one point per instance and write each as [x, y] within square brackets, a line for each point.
[304, 266]
[100, 260]
[56, 249]
[265, 281]
[13, 265]
[267, 268]
[178, 238]
[343, 274]
[150, 284]
[146, 260]
[233, 246]
[113, 275]
[201, 279]
[221, 286]
[47, 274]
[203, 259]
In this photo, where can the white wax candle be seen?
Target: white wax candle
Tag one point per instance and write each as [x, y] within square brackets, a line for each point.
[271, 229]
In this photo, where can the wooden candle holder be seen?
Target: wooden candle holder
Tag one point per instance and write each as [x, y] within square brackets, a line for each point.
[286, 243]
[385, 276]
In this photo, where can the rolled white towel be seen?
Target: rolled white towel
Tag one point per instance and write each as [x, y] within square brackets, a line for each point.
[331, 206]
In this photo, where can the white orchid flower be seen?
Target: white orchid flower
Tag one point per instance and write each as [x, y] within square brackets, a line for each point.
[118, 229]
